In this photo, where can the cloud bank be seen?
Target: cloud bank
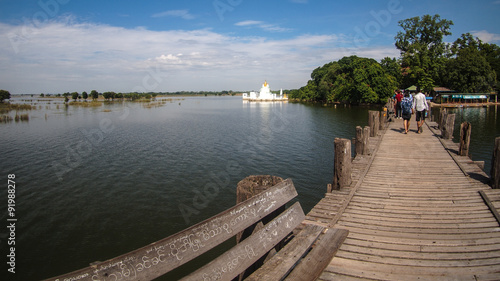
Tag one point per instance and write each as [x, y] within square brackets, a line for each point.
[63, 55]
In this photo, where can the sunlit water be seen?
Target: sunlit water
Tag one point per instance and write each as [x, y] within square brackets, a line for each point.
[94, 183]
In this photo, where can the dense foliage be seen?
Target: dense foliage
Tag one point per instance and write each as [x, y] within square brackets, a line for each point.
[468, 66]
[351, 80]
[4, 95]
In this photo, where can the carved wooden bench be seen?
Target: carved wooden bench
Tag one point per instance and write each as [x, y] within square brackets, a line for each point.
[306, 253]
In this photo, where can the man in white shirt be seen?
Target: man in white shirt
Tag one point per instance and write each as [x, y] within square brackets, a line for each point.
[420, 106]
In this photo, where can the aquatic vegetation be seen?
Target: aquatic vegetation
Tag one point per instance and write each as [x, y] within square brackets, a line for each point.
[22, 117]
[7, 107]
[86, 104]
[6, 118]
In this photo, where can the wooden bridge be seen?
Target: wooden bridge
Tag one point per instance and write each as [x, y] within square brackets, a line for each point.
[414, 211]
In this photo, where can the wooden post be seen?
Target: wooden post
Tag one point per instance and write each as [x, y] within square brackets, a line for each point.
[358, 150]
[342, 164]
[366, 139]
[373, 122]
[495, 165]
[449, 124]
[249, 187]
[442, 118]
[383, 119]
[465, 131]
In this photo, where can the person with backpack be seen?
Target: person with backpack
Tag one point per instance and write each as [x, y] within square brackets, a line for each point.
[407, 110]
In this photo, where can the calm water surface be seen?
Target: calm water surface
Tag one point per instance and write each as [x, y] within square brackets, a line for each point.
[94, 183]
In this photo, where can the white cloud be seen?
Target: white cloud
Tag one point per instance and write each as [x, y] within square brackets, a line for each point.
[486, 36]
[66, 56]
[262, 25]
[175, 13]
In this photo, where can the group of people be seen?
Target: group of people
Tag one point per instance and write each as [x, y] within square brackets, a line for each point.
[406, 105]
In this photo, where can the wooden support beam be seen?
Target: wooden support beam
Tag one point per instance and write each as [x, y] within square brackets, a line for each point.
[280, 265]
[366, 140]
[492, 208]
[495, 165]
[320, 256]
[373, 122]
[342, 164]
[465, 132]
[234, 261]
[359, 143]
[155, 259]
[448, 126]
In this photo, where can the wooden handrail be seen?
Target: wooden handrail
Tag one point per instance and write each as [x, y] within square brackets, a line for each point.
[160, 257]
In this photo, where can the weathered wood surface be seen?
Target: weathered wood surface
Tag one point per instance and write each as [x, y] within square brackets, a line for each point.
[313, 264]
[465, 132]
[162, 256]
[495, 165]
[413, 212]
[373, 122]
[343, 163]
[234, 261]
[448, 126]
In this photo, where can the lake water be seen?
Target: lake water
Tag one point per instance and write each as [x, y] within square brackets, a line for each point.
[96, 182]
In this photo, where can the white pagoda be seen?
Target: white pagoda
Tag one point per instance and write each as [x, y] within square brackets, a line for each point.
[265, 95]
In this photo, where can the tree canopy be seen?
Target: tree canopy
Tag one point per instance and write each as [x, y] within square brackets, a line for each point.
[422, 49]
[468, 65]
[468, 69]
[4, 95]
[351, 79]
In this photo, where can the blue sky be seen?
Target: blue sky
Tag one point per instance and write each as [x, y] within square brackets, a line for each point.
[56, 46]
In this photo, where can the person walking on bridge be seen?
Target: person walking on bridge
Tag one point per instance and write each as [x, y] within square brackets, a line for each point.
[420, 106]
[407, 110]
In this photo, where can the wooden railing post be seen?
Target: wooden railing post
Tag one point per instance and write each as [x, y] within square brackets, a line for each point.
[361, 140]
[249, 187]
[449, 124]
[383, 119]
[342, 164]
[465, 131]
[373, 122]
[359, 144]
[442, 118]
[495, 165]
[366, 139]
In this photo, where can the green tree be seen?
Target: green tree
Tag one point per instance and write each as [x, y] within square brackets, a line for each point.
[109, 95]
[423, 52]
[74, 95]
[85, 96]
[361, 80]
[94, 94]
[393, 67]
[492, 54]
[468, 69]
[4, 95]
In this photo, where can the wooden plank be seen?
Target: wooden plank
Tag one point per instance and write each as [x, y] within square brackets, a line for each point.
[280, 265]
[234, 261]
[317, 260]
[162, 256]
[493, 210]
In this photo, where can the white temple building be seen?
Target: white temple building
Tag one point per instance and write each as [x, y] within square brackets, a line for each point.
[265, 95]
